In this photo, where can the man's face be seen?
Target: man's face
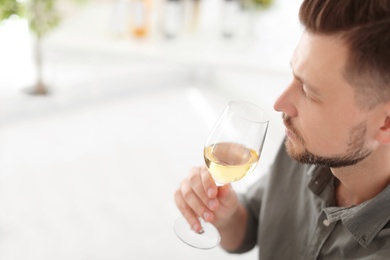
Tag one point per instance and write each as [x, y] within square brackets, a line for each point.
[323, 123]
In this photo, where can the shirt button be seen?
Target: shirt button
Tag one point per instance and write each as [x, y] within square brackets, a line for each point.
[326, 222]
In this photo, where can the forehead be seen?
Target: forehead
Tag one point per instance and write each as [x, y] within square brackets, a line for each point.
[320, 52]
[321, 60]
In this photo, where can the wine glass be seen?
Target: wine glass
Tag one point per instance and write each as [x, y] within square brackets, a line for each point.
[232, 150]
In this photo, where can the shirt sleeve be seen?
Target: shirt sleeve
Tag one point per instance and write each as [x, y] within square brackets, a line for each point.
[252, 202]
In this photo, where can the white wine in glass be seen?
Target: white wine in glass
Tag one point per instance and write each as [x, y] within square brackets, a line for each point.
[232, 150]
[229, 162]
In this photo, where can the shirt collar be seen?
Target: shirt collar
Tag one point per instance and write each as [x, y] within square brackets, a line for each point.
[363, 221]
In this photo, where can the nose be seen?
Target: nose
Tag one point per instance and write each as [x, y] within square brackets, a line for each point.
[285, 102]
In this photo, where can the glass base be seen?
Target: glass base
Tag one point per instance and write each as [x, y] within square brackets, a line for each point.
[207, 239]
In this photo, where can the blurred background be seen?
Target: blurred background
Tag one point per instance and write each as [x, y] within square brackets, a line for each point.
[105, 106]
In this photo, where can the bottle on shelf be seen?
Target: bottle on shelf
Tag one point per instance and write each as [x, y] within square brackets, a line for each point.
[119, 18]
[140, 18]
[191, 15]
[230, 17]
[173, 18]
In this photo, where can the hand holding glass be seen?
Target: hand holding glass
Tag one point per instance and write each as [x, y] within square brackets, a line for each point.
[232, 150]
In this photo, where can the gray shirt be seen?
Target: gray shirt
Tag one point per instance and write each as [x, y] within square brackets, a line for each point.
[292, 215]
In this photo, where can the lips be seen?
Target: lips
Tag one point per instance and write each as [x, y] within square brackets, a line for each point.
[290, 134]
[289, 131]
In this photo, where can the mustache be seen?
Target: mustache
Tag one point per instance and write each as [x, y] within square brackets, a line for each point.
[287, 120]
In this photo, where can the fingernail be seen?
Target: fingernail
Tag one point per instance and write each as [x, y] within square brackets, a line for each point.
[210, 192]
[196, 227]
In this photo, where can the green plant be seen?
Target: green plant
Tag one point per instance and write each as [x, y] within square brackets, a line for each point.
[257, 4]
[9, 8]
[42, 16]
[263, 3]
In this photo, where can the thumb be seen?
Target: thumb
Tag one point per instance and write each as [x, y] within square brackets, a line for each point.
[226, 195]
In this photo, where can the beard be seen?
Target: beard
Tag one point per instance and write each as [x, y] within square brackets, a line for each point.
[355, 152]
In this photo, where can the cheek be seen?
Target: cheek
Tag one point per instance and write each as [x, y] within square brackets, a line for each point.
[323, 133]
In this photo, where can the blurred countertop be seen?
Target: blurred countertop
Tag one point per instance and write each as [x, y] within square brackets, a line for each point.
[89, 171]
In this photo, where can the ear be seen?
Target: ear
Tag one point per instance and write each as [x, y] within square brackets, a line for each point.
[383, 135]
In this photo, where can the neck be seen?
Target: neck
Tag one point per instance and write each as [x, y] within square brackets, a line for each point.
[363, 181]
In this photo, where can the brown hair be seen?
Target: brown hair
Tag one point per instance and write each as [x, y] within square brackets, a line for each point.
[364, 25]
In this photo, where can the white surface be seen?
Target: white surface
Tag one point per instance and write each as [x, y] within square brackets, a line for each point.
[89, 172]
[97, 182]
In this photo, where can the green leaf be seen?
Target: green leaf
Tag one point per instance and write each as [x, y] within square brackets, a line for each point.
[9, 8]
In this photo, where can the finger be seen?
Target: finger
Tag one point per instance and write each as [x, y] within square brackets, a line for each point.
[187, 212]
[193, 201]
[202, 183]
[185, 204]
[209, 184]
[226, 195]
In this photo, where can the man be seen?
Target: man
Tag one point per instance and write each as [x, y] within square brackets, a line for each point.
[328, 194]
